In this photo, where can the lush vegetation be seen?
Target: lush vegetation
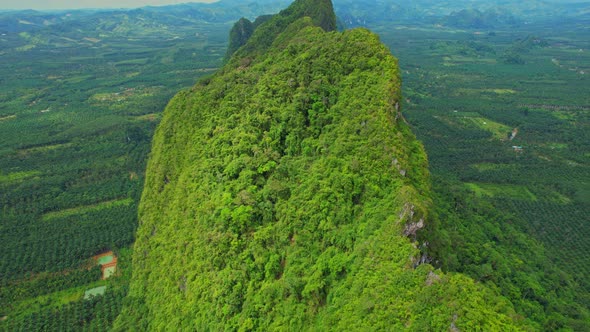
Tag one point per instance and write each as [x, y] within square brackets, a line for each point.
[81, 94]
[285, 193]
[61, 306]
[515, 219]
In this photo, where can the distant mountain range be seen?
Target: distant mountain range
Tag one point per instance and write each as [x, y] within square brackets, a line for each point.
[462, 13]
[177, 15]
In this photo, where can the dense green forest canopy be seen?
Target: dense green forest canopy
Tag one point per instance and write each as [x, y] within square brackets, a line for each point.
[81, 94]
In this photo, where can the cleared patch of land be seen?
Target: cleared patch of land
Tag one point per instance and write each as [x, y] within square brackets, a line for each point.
[149, 117]
[87, 208]
[457, 59]
[6, 118]
[482, 167]
[17, 176]
[499, 130]
[108, 263]
[497, 91]
[44, 148]
[501, 190]
[475, 121]
[94, 292]
[53, 300]
[92, 40]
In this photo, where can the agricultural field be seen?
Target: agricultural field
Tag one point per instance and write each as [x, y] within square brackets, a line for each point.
[508, 145]
[78, 108]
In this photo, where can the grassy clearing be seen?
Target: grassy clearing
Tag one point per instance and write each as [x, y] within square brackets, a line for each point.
[132, 62]
[79, 79]
[482, 167]
[17, 176]
[126, 95]
[555, 197]
[497, 91]
[541, 82]
[6, 118]
[45, 148]
[83, 58]
[465, 114]
[457, 59]
[26, 48]
[474, 120]
[149, 117]
[108, 97]
[500, 131]
[564, 115]
[94, 292]
[501, 190]
[53, 300]
[501, 91]
[92, 40]
[557, 146]
[87, 208]
[109, 272]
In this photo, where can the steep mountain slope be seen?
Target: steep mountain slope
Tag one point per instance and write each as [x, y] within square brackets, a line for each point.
[241, 32]
[285, 193]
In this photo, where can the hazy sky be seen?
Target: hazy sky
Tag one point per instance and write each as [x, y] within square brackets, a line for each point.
[75, 4]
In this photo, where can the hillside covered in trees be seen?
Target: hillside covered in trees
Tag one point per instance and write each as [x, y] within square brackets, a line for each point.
[286, 192]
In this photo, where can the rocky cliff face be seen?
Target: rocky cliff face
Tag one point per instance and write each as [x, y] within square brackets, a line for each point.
[274, 198]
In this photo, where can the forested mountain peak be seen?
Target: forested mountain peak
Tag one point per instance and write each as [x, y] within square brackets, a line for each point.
[286, 191]
[239, 35]
[321, 13]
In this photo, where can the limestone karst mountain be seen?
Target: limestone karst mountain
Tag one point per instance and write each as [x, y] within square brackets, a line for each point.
[285, 192]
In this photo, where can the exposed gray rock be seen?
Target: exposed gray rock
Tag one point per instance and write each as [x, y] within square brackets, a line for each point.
[413, 227]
